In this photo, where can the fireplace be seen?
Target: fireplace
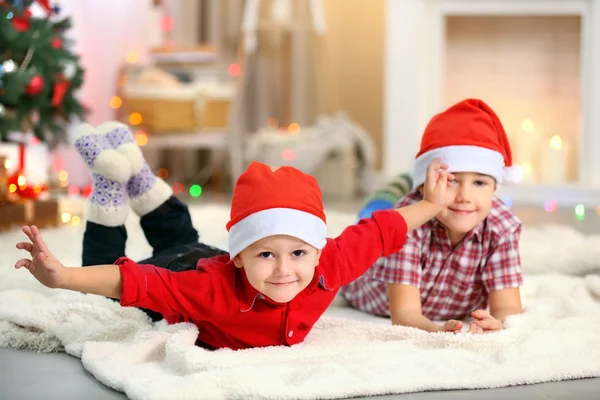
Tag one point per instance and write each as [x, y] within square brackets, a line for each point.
[535, 62]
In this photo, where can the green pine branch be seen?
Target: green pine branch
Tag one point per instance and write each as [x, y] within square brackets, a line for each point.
[49, 122]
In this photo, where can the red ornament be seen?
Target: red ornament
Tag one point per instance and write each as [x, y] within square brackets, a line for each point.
[35, 86]
[21, 23]
[86, 191]
[59, 91]
[57, 43]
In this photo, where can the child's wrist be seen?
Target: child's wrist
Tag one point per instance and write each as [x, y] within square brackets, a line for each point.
[431, 207]
[65, 282]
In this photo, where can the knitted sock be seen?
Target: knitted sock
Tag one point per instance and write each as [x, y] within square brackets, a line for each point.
[99, 155]
[108, 204]
[394, 190]
[145, 190]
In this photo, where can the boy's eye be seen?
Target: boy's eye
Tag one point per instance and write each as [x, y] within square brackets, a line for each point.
[298, 253]
[266, 254]
[480, 183]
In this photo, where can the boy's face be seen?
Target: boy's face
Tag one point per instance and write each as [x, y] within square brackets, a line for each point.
[279, 266]
[469, 202]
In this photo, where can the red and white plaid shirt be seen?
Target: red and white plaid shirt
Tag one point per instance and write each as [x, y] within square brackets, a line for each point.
[453, 282]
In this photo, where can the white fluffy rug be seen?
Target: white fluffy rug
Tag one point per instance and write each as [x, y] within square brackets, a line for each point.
[556, 339]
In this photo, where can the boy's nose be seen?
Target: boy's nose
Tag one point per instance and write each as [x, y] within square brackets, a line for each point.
[282, 268]
[463, 194]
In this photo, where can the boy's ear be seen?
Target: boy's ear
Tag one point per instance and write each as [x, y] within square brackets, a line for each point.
[319, 252]
[237, 261]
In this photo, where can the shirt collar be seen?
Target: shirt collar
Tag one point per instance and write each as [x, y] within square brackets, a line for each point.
[246, 293]
[441, 232]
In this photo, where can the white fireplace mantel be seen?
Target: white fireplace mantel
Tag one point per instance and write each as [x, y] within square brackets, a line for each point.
[413, 84]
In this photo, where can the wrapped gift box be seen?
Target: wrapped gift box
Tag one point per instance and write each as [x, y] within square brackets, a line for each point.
[42, 213]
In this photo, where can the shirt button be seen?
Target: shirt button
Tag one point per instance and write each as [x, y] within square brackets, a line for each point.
[290, 333]
[435, 293]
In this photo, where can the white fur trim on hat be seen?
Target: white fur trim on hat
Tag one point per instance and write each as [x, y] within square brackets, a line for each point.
[277, 221]
[512, 174]
[462, 159]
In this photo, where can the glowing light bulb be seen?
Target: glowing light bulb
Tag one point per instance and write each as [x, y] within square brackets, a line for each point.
[294, 129]
[550, 206]
[141, 139]
[65, 217]
[288, 154]
[177, 188]
[162, 173]
[195, 190]
[135, 118]
[234, 70]
[556, 142]
[579, 211]
[132, 57]
[527, 125]
[115, 102]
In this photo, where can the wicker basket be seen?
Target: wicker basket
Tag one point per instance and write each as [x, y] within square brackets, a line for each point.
[164, 109]
[215, 103]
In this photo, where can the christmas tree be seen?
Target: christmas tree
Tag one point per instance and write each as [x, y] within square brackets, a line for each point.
[39, 74]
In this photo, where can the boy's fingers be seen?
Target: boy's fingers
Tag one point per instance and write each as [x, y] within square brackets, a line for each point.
[25, 246]
[38, 241]
[481, 314]
[27, 231]
[475, 329]
[487, 324]
[453, 325]
[24, 262]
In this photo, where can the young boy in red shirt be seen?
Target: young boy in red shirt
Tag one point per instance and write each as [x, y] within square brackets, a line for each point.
[281, 272]
[454, 266]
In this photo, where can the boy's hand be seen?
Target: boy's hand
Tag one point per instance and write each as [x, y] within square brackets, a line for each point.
[437, 180]
[42, 265]
[452, 326]
[484, 322]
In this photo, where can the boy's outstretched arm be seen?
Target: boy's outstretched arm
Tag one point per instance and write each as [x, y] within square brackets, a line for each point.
[353, 252]
[104, 280]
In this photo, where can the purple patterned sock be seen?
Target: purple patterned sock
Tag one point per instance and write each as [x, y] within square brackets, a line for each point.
[122, 140]
[99, 155]
[146, 191]
[108, 205]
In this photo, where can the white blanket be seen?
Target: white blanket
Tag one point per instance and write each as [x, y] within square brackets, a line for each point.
[555, 339]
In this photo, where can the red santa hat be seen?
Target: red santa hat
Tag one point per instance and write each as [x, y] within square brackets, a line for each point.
[469, 137]
[282, 202]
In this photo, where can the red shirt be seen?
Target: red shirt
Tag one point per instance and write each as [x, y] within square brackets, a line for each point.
[229, 312]
[453, 281]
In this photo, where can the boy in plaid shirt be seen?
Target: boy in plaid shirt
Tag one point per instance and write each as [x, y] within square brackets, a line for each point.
[467, 258]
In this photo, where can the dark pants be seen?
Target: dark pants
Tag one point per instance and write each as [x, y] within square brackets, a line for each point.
[169, 231]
